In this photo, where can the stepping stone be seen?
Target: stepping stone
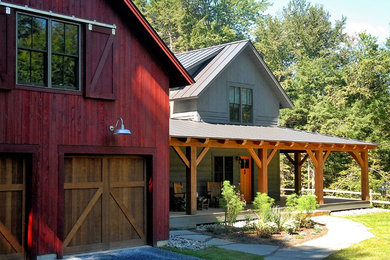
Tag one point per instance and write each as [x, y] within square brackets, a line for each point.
[197, 237]
[182, 232]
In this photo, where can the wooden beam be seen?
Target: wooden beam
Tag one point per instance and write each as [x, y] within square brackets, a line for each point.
[304, 159]
[201, 155]
[217, 143]
[242, 142]
[297, 173]
[263, 172]
[191, 181]
[364, 177]
[355, 155]
[271, 155]
[289, 158]
[256, 158]
[326, 155]
[9, 237]
[188, 140]
[181, 155]
[312, 157]
[206, 141]
[319, 177]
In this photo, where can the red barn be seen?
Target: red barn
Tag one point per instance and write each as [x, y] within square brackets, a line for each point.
[68, 71]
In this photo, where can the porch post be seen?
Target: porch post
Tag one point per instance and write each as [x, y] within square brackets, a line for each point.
[364, 177]
[191, 172]
[297, 173]
[319, 177]
[262, 180]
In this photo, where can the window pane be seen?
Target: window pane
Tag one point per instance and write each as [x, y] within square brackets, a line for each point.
[23, 66]
[24, 31]
[243, 96]
[37, 68]
[58, 41]
[218, 169]
[246, 113]
[57, 71]
[70, 72]
[237, 95]
[234, 112]
[250, 99]
[39, 33]
[229, 169]
[231, 95]
[71, 39]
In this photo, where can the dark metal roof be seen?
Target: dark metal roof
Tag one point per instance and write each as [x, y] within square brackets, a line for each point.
[186, 128]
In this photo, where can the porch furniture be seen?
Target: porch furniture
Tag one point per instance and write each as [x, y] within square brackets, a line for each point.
[214, 193]
[178, 197]
[203, 203]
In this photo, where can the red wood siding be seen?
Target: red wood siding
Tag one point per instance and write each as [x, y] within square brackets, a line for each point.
[52, 120]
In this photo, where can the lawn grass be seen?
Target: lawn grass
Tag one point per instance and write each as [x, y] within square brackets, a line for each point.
[216, 253]
[377, 247]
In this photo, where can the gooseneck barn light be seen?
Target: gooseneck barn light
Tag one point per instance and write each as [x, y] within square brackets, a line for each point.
[120, 131]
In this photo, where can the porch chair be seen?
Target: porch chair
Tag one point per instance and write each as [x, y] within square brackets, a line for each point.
[214, 193]
[178, 197]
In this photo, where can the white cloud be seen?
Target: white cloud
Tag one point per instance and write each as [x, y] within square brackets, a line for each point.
[379, 31]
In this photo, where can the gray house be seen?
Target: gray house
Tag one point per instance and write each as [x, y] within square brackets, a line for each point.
[231, 113]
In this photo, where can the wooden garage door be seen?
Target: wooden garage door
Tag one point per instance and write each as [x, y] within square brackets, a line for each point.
[105, 205]
[12, 207]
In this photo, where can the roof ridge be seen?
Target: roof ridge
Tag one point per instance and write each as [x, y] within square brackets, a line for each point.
[214, 46]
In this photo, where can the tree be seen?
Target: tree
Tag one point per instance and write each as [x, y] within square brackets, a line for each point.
[339, 85]
[193, 24]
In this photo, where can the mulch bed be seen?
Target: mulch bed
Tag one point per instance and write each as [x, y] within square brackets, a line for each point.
[282, 239]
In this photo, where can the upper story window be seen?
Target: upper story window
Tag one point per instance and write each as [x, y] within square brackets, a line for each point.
[47, 53]
[241, 105]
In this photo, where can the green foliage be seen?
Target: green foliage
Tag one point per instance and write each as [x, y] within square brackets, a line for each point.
[262, 204]
[301, 207]
[231, 202]
[193, 24]
[339, 86]
[265, 229]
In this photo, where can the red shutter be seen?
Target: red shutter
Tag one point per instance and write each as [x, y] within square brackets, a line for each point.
[99, 63]
[7, 48]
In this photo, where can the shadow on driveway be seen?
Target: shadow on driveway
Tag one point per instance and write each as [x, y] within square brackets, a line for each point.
[139, 253]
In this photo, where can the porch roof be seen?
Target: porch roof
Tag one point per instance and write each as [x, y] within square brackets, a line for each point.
[202, 130]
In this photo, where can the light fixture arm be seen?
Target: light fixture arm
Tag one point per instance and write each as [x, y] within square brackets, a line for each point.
[112, 128]
[122, 130]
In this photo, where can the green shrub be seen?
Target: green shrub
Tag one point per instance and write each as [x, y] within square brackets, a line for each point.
[231, 202]
[275, 216]
[262, 204]
[291, 225]
[265, 229]
[301, 207]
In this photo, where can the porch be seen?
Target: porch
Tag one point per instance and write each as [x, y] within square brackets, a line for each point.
[193, 140]
[181, 220]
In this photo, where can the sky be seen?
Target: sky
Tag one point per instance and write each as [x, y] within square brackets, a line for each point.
[372, 16]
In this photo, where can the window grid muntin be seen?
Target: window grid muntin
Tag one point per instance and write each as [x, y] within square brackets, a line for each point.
[49, 53]
[240, 101]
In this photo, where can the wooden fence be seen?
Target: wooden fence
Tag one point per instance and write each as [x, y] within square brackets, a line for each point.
[345, 192]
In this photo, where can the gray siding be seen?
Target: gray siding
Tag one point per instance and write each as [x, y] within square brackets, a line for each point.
[213, 103]
[206, 170]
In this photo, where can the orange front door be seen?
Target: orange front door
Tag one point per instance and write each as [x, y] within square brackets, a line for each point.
[246, 177]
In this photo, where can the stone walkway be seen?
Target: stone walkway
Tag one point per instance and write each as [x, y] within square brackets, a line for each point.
[342, 233]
